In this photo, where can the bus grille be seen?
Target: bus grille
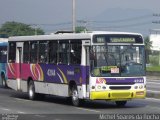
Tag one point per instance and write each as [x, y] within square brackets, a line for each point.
[121, 83]
[121, 95]
[120, 87]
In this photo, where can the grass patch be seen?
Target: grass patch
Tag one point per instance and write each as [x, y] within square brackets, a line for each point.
[153, 68]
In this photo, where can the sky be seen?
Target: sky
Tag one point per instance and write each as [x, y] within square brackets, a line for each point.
[53, 15]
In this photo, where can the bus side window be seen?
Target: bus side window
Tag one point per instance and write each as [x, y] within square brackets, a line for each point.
[26, 54]
[63, 51]
[34, 52]
[53, 47]
[3, 54]
[12, 52]
[75, 55]
[43, 52]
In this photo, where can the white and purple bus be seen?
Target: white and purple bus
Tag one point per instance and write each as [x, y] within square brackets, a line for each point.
[95, 66]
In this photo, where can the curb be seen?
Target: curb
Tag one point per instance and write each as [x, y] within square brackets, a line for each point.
[153, 94]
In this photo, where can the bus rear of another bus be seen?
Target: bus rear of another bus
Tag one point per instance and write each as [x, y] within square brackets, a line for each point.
[3, 61]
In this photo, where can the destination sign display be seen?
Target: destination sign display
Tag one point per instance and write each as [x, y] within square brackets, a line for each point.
[122, 40]
[100, 39]
[117, 39]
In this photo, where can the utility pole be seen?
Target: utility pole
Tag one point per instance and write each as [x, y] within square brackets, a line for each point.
[74, 15]
[157, 22]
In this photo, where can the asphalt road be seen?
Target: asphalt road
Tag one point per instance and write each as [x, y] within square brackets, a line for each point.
[153, 85]
[16, 105]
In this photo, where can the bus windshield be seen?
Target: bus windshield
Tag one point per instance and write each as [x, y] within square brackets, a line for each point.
[117, 60]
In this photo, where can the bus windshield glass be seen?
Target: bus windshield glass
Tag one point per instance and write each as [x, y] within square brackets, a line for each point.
[117, 60]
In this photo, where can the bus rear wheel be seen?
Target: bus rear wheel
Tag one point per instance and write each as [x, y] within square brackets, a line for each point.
[31, 90]
[121, 103]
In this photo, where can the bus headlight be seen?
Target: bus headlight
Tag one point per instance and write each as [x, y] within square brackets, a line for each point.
[141, 86]
[99, 87]
[93, 87]
[138, 87]
[135, 87]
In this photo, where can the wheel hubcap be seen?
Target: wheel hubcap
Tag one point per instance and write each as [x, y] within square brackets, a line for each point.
[75, 95]
[30, 91]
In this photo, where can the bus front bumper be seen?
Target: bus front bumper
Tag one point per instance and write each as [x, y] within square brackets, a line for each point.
[117, 95]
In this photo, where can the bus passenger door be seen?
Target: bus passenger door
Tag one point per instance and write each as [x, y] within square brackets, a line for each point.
[87, 69]
[85, 61]
[19, 47]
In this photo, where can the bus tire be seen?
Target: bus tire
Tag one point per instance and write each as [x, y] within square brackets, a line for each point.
[74, 96]
[31, 91]
[121, 103]
[4, 84]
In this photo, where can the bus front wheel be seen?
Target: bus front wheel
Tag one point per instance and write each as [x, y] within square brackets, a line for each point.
[4, 84]
[121, 103]
[74, 96]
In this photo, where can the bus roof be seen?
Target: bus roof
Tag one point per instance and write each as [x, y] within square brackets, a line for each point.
[3, 40]
[71, 36]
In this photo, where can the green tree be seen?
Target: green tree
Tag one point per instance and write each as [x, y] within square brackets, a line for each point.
[80, 29]
[148, 45]
[19, 29]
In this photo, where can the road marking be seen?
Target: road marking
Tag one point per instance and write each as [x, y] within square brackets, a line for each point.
[153, 82]
[20, 112]
[153, 99]
[153, 91]
[89, 110]
[22, 99]
[5, 109]
[153, 107]
[39, 115]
